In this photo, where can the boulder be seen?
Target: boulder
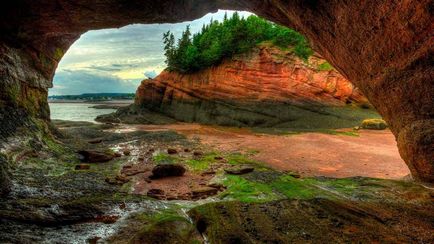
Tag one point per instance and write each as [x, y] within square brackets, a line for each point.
[94, 156]
[167, 170]
[374, 124]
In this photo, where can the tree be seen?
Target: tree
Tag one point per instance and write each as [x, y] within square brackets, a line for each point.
[234, 35]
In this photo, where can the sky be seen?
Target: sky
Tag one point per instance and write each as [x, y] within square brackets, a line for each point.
[116, 60]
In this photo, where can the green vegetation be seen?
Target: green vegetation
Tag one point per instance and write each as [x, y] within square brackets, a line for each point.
[234, 35]
[325, 66]
[164, 158]
[203, 163]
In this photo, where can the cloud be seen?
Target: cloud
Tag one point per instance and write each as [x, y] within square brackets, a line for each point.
[118, 55]
[82, 81]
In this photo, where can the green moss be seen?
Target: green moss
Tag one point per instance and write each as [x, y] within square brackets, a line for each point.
[58, 53]
[201, 163]
[296, 188]
[325, 66]
[238, 158]
[241, 189]
[164, 158]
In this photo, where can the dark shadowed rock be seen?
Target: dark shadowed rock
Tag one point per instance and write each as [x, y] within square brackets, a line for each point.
[82, 166]
[94, 156]
[239, 170]
[166, 170]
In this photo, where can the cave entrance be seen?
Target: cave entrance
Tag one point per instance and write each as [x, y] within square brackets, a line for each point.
[279, 92]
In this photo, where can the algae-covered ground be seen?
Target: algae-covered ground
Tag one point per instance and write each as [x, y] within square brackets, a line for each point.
[52, 202]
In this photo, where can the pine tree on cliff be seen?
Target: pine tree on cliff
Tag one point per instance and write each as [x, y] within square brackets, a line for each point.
[217, 41]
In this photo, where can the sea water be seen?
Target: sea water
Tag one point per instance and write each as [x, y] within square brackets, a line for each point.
[76, 111]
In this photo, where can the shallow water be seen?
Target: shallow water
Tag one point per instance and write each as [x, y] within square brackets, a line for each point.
[76, 111]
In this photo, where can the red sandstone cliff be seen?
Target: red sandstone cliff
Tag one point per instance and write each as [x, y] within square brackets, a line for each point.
[266, 87]
[264, 74]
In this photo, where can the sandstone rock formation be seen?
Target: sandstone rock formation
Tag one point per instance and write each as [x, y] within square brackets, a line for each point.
[266, 87]
[384, 48]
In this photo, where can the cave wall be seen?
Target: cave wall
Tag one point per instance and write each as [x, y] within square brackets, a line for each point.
[383, 47]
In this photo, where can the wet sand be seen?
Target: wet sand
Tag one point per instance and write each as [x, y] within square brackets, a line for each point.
[371, 154]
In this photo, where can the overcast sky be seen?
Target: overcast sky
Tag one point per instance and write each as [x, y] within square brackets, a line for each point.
[116, 60]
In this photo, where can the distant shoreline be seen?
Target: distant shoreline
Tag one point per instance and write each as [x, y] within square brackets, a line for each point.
[120, 101]
[101, 104]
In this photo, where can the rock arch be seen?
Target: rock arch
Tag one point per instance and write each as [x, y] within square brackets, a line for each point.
[384, 47]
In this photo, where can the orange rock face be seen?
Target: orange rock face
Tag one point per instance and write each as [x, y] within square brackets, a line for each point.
[264, 87]
[266, 74]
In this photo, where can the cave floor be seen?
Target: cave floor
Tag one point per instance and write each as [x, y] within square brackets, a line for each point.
[53, 202]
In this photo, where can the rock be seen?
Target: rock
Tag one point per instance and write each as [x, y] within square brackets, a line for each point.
[203, 191]
[374, 124]
[127, 152]
[93, 240]
[187, 150]
[172, 151]
[95, 141]
[156, 193]
[290, 84]
[93, 156]
[239, 170]
[216, 185]
[5, 182]
[117, 180]
[167, 170]
[197, 153]
[82, 166]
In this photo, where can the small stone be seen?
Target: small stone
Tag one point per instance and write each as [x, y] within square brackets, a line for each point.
[172, 151]
[295, 175]
[197, 153]
[122, 179]
[218, 186]
[122, 205]
[82, 166]
[155, 193]
[187, 150]
[203, 191]
[127, 152]
[93, 240]
[166, 170]
[94, 156]
[239, 170]
[218, 158]
[95, 141]
[208, 172]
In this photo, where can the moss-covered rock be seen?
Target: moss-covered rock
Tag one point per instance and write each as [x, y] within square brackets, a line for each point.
[374, 124]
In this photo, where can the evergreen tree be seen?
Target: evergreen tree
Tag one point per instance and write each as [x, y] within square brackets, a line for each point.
[234, 35]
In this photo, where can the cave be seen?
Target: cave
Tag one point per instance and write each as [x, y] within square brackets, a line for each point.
[384, 48]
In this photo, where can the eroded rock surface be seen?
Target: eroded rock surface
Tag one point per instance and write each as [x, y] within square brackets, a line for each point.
[384, 48]
[266, 87]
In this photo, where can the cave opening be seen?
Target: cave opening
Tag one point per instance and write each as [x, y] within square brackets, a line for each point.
[113, 181]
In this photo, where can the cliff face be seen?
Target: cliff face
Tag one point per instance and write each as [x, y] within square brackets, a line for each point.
[265, 87]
